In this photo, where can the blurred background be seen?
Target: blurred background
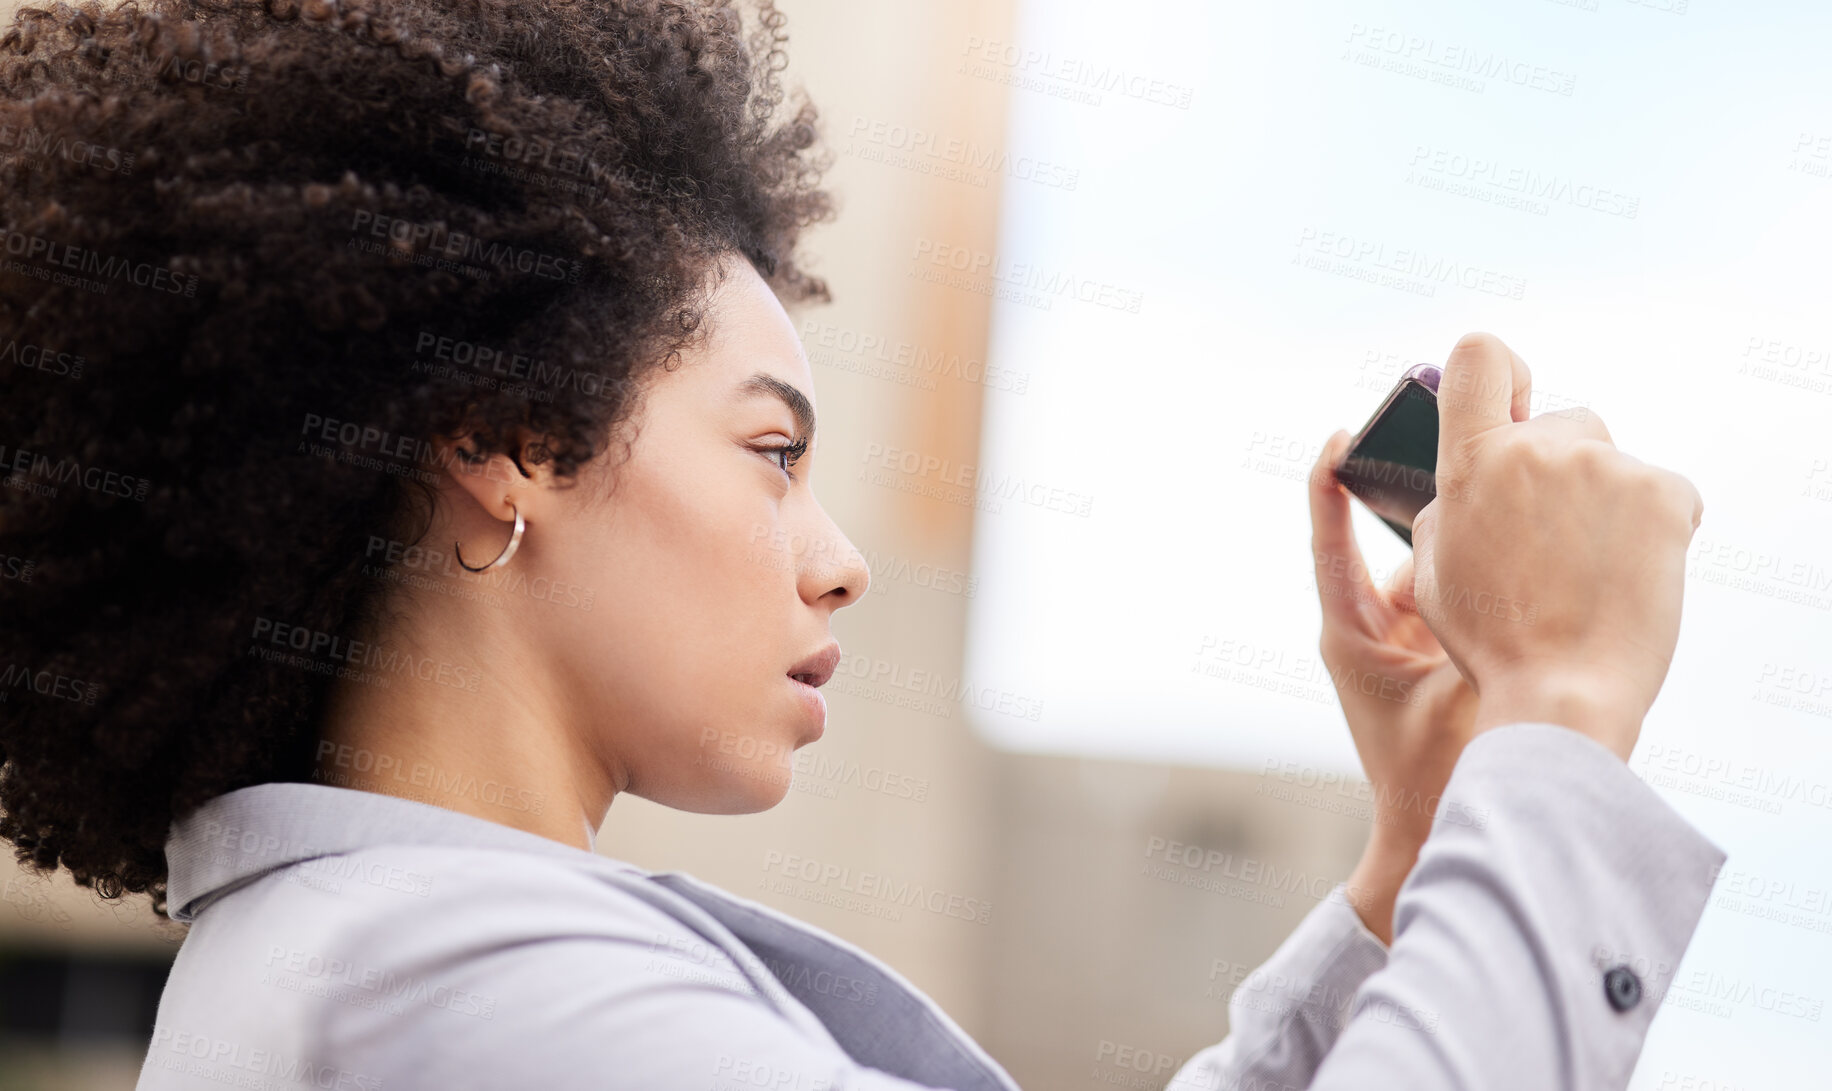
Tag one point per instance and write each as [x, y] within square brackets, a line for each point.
[1105, 279]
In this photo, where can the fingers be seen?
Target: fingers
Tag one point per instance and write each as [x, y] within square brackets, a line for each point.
[1342, 576]
[1484, 385]
[1521, 406]
[1399, 589]
[1425, 577]
[1690, 491]
[1682, 495]
[1563, 429]
[1424, 528]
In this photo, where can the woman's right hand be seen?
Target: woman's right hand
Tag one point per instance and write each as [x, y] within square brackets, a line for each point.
[1556, 581]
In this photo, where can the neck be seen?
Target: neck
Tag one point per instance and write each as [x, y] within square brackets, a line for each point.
[472, 727]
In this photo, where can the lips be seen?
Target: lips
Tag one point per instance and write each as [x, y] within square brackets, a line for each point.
[816, 669]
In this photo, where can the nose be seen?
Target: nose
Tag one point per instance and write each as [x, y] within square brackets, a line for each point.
[832, 571]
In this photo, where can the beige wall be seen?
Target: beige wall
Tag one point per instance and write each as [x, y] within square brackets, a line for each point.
[1080, 947]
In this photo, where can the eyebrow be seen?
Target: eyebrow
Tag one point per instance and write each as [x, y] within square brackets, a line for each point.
[771, 386]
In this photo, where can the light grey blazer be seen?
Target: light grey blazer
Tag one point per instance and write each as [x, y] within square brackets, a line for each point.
[361, 942]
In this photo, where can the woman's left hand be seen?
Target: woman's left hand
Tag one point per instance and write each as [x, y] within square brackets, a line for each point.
[1409, 710]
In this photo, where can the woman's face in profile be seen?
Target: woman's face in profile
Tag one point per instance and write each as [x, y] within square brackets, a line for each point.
[713, 570]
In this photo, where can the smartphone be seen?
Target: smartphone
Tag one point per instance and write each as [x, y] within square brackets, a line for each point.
[1392, 463]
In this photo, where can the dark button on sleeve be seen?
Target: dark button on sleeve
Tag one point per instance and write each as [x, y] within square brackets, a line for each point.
[1622, 987]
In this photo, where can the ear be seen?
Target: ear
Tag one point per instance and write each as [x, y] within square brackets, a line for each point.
[498, 484]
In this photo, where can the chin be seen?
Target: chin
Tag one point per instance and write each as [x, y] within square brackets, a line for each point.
[734, 783]
[746, 789]
[725, 786]
[759, 796]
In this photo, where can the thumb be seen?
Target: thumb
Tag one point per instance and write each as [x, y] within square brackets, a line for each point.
[1482, 385]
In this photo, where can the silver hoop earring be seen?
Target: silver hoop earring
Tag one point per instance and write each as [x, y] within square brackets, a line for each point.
[502, 558]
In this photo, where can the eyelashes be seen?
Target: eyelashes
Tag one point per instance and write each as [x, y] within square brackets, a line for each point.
[788, 456]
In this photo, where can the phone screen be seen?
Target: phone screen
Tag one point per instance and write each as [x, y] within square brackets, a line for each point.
[1392, 465]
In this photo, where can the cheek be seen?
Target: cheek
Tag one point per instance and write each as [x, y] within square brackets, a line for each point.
[702, 547]
[692, 608]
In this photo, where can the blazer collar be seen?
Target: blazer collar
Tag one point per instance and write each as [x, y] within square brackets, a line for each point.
[877, 1016]
[242, 835]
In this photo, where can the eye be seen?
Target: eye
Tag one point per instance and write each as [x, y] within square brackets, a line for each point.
[787, 456]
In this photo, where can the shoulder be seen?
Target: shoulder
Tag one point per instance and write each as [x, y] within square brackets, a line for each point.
[428, 932]
[450, 904]
[441, 966]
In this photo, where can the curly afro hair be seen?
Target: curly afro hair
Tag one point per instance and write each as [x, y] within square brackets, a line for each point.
[258, 255]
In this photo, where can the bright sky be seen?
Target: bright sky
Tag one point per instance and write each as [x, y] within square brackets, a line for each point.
[1304, 199]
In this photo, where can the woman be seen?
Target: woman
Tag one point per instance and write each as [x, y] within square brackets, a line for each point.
[438, 396]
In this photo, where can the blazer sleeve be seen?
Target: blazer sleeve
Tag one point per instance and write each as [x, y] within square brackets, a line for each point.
[1284, 1017]
[1533, 942]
